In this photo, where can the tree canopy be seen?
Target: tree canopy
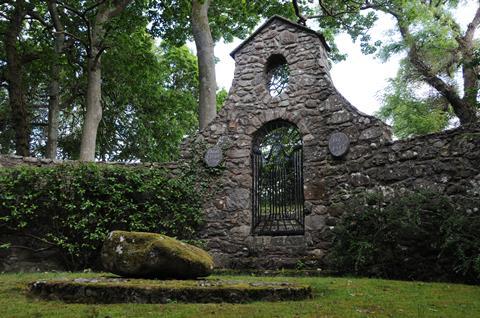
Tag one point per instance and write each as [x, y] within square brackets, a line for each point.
[440, 54]
[107, 78]
[113, 79]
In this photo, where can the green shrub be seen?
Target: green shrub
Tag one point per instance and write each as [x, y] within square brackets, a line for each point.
[73, 207]
[421, 236]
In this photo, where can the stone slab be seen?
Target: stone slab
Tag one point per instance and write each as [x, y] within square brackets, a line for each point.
[109, 290]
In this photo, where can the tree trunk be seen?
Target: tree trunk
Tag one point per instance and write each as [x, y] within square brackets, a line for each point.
[54, 94]
[465, 111]
[107, 11]
[470, 68]
[53, 111]
[206, 61]
[94, 108]
[94, 90]
[16, 90]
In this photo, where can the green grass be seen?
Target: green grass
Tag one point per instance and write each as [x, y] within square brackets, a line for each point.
[333, 297]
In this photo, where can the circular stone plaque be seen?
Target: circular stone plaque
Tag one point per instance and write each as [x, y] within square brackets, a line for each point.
[213, 156]
[338, 144]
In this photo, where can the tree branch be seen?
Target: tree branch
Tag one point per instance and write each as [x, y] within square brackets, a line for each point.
[119, 6]
[29, 57]
[472, 27]
[53, 10]
[73, 36]
[72, 9]
[97, 57]
[301, 19]
[83, 16]
[31, 236]
[464, 112]
[97, 4]
[33, 250]
[35, 16]
[3, 15]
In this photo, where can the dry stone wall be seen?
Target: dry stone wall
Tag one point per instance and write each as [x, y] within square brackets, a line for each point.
[11, 161]
[27, 254]
[312, 104]
[447, 162]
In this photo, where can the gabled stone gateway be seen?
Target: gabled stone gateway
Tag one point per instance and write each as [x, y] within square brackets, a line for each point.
[446, 162]
[310, 102]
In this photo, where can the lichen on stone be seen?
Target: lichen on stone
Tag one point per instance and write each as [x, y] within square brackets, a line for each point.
[153, 255]
[103, 290]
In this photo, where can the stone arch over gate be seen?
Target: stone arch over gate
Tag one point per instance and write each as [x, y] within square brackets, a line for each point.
[277, 180]
[310, 102]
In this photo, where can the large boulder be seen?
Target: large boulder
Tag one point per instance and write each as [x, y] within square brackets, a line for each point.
[150, 255]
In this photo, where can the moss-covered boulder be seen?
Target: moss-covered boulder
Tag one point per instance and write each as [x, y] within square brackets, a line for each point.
[150, 255]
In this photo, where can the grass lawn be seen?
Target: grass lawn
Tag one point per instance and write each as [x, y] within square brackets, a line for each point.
[333, 297]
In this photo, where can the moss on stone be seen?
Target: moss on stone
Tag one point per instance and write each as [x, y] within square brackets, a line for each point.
[122, 290]
[138, 254]
[470, 136]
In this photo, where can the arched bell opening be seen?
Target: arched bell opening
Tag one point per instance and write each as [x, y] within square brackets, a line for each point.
[277, 190]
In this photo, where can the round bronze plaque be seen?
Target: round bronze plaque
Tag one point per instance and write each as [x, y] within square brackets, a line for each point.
[213, 156]
[338, 144]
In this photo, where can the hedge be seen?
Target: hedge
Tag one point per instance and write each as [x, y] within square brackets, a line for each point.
[73, 207]
[410, 235]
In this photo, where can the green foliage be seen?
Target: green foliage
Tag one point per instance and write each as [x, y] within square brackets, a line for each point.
[279, 143]
[412, 115]
[149, 92]
[421, 236]
[434, 45]
[150, 100]
[74, 207]
[222, 95]
[333, 297]
[228, 19]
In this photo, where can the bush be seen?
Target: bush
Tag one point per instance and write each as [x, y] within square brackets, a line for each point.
[420, 236]
[74, 207]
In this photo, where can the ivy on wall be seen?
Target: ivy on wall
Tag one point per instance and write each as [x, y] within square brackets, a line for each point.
[73, 207]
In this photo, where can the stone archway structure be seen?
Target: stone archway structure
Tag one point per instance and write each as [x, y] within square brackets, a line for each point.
[278, 204]
[345, 152]
[311, 103]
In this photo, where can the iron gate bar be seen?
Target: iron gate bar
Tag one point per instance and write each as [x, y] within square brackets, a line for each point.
[277, 194]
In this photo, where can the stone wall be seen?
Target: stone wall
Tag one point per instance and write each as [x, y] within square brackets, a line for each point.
[11, 161]
[446, 161]
[27, 254]
[312, 104]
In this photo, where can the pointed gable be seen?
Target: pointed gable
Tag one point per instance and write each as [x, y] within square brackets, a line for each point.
[277, 18]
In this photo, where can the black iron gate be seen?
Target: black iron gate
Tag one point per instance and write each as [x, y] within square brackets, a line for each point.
[277, 204]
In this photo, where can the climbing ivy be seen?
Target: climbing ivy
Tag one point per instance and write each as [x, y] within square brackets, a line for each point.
[73, 207]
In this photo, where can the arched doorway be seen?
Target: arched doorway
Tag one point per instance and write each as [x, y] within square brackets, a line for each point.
[277, 192]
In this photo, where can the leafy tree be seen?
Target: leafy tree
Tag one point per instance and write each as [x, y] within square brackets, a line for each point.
[150, 100]
[89, 68]
[206, 22]
[18, 51]
[435, 44]
[149, 94]
[222, 95]
[412, 113]
[91, 30]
